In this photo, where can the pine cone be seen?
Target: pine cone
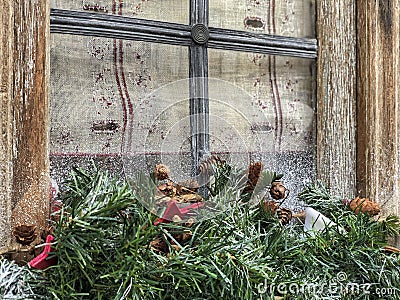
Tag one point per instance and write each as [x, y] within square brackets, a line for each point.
[159, 245]
[253, 176]
[206, 166]
[364, 205]
[189, 198]
[187, 187]
[182, 237]
[167, 188]
[284, 215]
[277, 190]
[254, 173]
[25, 234]
[161, 172]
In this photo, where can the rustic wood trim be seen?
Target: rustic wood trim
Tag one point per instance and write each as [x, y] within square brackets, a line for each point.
[378, 156]
[25, 33]
[6, 137]
[336, 95]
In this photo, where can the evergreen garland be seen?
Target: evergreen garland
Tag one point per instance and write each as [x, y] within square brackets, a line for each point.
[19, 282]
[104, 239]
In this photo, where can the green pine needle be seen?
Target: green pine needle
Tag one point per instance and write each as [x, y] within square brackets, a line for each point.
[104, 252]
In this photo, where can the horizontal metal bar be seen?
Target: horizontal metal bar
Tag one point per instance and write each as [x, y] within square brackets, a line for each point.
[120, 27]
[262, 43]
[60, 16]
[112, 26]
[120, 35]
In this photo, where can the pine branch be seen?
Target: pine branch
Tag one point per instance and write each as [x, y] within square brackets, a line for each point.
[104, 247]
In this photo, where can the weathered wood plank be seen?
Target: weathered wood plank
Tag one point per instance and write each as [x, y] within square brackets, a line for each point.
[30, 119]
[336, 95]
[378, 102]
[6, 34]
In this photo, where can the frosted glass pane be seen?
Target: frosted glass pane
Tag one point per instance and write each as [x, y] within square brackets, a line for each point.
[98, 89]
[271, 98]
[281, 17]
[176, 11]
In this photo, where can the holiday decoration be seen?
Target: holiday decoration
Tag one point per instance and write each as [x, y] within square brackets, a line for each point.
[364, 205]
[25, 234]
[284, 215]
[161, 172]
[209, 164]
[173, 211]
[43, 261]
[109, 246]
[253, 175]
[167, 188]
[277, 190]
[315, 221]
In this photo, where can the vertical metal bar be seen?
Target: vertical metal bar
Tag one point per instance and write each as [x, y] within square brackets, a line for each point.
[198, 74]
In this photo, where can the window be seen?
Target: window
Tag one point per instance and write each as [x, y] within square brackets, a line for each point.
[182, 80]
[350, 146]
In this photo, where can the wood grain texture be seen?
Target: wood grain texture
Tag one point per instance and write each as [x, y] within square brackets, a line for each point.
[336, 95]
[6, 33]
[378, 157]
[25, 41]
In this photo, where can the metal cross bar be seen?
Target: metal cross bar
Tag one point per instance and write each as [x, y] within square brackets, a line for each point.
[119, 27]
[198, 73]
[198, 37]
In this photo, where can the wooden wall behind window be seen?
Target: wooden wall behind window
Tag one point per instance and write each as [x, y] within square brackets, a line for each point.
[24, 184]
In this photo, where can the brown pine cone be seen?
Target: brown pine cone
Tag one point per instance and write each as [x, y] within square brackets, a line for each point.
[182, 237]
[277, 190]
[187, 187]
[253, 175]
[207, 165]
[159, 245]
[364, 205]
[167, 188]
[284, 215]
[189, 198]
[161, 172]
[25, 234]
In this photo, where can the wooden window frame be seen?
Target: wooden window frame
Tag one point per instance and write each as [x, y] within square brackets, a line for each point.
[358, 107]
